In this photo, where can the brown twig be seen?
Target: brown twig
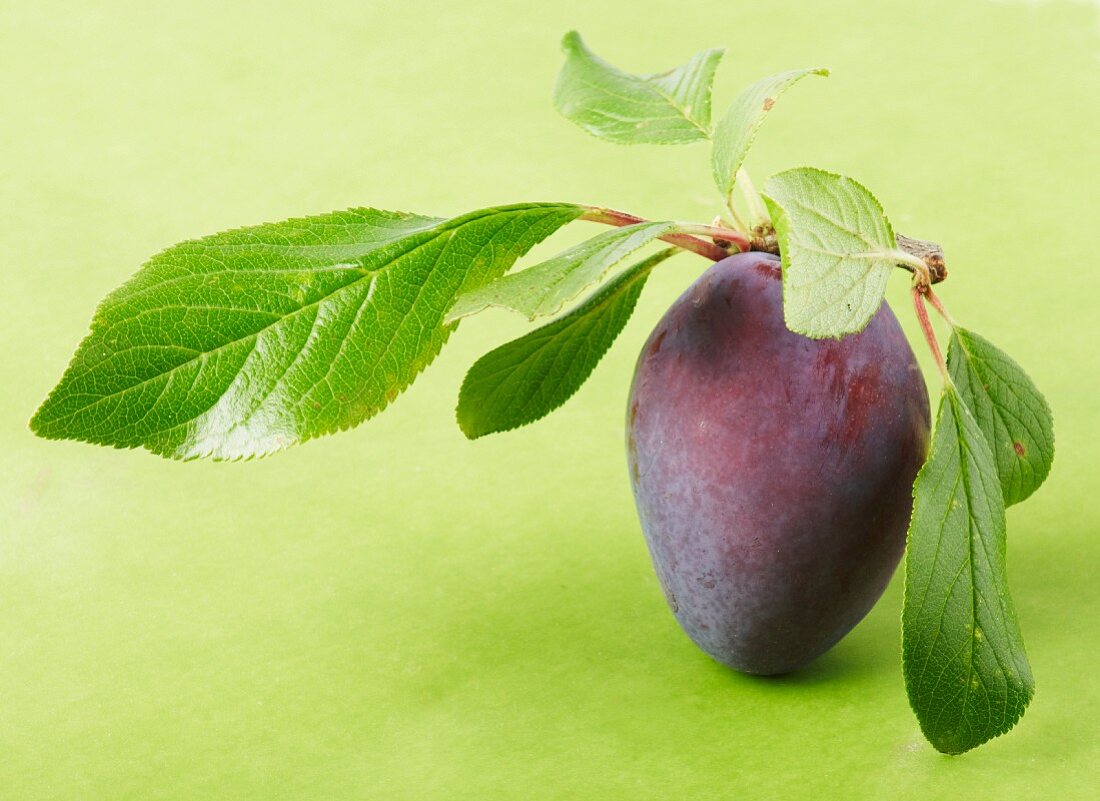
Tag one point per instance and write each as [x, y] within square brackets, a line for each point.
[928, 252]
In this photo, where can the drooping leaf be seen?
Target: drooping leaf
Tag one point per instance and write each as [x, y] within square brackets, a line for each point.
[544, 289]
[966, 671]
[245, 342]
[668, 108]
[734, 134]
[527, 378]
[1010, 410]
[837, 248]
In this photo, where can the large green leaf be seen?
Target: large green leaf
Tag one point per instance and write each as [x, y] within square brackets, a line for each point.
[669, 108]
[734, 134]
[837, 247]
[965, 668]
[245, 342]
[527, 378]
[544, 289]
[1010, 410]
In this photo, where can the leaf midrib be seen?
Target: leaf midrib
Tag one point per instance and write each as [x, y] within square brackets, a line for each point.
[255, 334]
[973, 531]
[638, 81]
[705, 131]
[964, 451]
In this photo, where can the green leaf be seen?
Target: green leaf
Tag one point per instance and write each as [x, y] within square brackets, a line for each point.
[737, 129]
[669, 108]
[837, 248]
[965, 668]
[527, 378]
[245, 342]
[1010, 411]
[544, 289]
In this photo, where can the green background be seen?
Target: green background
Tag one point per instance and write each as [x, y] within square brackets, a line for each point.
[396, 613]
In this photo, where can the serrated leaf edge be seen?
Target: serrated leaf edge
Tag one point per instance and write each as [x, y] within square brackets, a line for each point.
[779, 218]
[440, 228]
[573, 43]
[958, 409]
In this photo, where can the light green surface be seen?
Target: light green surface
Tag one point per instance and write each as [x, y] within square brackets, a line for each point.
[396, 613]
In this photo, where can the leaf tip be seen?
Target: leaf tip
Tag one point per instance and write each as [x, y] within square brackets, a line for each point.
[471, 423]
[35, 423]
[40, 422]
[466, 425]
[571, 42]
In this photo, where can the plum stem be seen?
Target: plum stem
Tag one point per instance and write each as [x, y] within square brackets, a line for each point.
[711, 250]
[919, 294]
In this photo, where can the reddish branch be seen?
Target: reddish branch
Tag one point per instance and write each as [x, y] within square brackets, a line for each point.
[937, 304]
[695, 244]
[926, 327]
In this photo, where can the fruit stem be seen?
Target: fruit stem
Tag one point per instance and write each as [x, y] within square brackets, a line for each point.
[686, 241]
[926, 326]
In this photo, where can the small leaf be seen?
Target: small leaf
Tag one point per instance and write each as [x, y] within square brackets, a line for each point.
[736, 131]
[837, 248]
[966, 672]
[544, 289]
[245, 342]
[1010, 411]
[669, 108]
[526, 379]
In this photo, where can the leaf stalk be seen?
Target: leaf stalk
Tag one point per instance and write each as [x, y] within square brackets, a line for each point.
[686, 241]
[929, 333]
[937, 304]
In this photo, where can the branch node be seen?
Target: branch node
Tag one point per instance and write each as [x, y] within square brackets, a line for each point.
[928, 252]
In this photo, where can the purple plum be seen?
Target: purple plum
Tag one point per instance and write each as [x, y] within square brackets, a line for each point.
[773, 473]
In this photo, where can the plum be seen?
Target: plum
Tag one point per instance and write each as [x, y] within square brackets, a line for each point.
[772, 472]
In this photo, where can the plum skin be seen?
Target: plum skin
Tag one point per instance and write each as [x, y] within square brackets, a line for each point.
[772, 473]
